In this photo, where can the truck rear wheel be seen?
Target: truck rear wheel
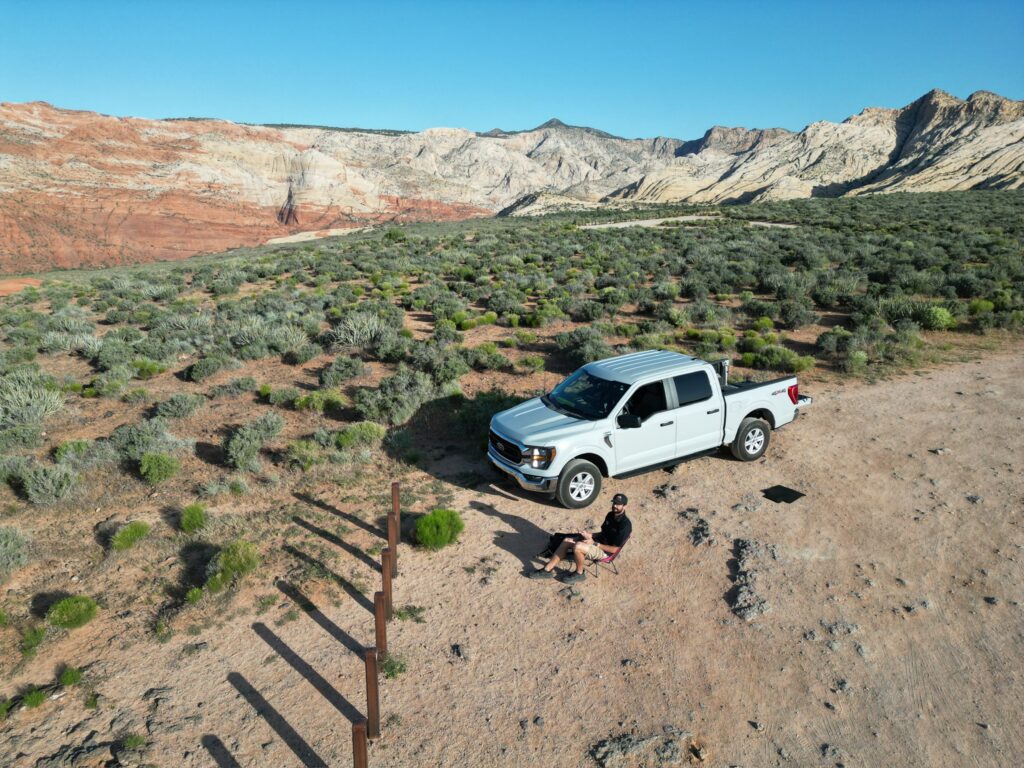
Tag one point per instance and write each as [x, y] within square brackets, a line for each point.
[751, 439]
[579, 484]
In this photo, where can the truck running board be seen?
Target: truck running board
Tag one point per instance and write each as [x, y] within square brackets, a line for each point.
[663, 464]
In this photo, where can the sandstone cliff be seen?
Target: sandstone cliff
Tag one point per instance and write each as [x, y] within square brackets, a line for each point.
[79, 188]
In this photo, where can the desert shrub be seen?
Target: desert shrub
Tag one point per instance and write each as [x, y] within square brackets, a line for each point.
[180, 406]
[583, 345]
[128, 535]
[397, 397]
[328, 401]
[207, 366]
[443, 362]
[137, 395]
[132, 441]
[27, 397]
[857, 362]
[531, 363]
[13, 550]
[774, 357]
[341, 370]
[473, 416]
[392, 666]
[284, 396]
[193, 518]
[243, 446]
[72, 612]
[45, 484]
[302, 355]
[31, 639]
[360, 434]
[69, 676]
[157, 467]
[486, 357]
[146, 369]
[33, 697]
[932, 317]
[231, 564]
[438, 529]
[234, 387]
[303, 454]
[21, 436]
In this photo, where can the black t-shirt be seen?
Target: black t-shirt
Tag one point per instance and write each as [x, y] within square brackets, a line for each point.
[614, 530]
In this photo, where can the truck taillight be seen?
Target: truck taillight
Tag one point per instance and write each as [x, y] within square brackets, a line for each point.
[794, 393]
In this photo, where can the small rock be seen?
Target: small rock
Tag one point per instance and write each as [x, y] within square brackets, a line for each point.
[975, 498]
[757, 726]
[992, 600]
[939, 451]
[628, 663]
[460, 651]
[538, 721]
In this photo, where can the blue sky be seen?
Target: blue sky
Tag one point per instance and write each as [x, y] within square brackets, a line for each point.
[631, 68]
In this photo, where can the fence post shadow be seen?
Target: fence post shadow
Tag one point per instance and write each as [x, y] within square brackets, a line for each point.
[263, 708]
[296, 662]
[348, 587]
[309, 608]
[346, 516]
[358, 554]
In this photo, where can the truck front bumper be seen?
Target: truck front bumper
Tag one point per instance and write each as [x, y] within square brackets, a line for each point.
[526, 482]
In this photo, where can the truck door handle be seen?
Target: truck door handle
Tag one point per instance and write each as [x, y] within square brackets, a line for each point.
[666, 423]
[714, 411]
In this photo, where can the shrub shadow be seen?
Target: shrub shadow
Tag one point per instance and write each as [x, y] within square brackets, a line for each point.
[43, 601]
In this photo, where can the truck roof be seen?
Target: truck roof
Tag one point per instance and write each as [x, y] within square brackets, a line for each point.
[628, 369]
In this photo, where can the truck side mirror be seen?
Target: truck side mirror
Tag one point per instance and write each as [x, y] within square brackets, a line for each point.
[629, 421]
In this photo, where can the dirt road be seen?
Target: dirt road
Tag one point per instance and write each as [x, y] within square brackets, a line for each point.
[692, 217]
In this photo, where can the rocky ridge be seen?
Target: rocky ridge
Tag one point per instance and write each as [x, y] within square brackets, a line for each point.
[80, 188]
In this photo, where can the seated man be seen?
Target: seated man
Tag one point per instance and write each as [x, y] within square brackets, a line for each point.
[615, 529]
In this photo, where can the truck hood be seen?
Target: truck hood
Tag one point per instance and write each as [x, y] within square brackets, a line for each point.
[533, 423]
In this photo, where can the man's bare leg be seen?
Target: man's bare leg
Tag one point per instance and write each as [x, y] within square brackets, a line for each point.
[578, 556]
[560, 553]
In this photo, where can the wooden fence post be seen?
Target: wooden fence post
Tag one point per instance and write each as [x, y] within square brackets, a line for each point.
[372, 695]
[359, 744]
[393, 537]
[386, 558]
[380, 623]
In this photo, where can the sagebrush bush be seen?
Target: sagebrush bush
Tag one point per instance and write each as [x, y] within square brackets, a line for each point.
[157, 467]
[284, 396]
[360, 434]
[303, 454]
[243, 446]
[131, 441]
[45, 484]
[438, 529]
[583, 345]
[13, 550]
[72, 612]
[397, 397]
[180, 406]
[231, 564]
[207, 366]
[340, 370]
[327, 401]
[69, 676]
[128, 535]
[28, 397]
[146, 369]
[234, 387]
[193, 518]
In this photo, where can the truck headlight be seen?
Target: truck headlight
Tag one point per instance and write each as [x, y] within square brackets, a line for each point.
[539, 458]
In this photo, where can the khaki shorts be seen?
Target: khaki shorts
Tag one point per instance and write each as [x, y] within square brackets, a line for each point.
[592, 551]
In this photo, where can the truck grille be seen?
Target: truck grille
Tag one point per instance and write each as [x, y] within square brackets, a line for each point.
[506, 449]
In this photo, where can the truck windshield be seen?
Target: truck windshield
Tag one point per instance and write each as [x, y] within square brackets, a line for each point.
[585, 396]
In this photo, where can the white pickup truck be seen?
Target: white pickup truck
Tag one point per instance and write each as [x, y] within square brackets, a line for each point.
[630, 414]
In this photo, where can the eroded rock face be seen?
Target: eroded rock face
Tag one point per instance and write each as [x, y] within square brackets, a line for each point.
[79, 188]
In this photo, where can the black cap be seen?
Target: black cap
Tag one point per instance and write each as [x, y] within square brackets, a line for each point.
[620, 498]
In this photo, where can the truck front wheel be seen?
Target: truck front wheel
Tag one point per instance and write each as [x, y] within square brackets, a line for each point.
[751, 439]
[579, 484]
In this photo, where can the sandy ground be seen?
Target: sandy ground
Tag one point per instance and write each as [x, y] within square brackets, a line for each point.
[893, 635]
[14, 284]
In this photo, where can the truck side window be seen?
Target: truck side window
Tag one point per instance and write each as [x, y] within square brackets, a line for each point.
[647, 401]
[692, 388]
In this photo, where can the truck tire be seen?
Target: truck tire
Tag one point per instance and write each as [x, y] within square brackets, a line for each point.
[751, 439]
[579, 484]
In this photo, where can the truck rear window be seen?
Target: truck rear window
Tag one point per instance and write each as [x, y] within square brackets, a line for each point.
[692, 388]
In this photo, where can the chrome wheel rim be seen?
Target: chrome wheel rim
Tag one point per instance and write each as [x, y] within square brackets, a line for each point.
[754, 440]
[581, 486]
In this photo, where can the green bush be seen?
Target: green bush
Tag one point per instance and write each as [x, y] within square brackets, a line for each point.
[133, 441]
[13, 550]
[128, 535]
[438, 529]
[231, 564]
[284, 396]
[146, 369]
[392, 667]
[193, 518]
[531, 363]
[33, 697]
[207, 366]
[194, 595]
[70, 676]
[304, 454]
[932, 317]
[583, 345]
[486, 357]
[243, 446]
[31, 639]
[363, 433]
[72, 612]
[157, 467]
[234, 387]
[180, 406]
[328, 401]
